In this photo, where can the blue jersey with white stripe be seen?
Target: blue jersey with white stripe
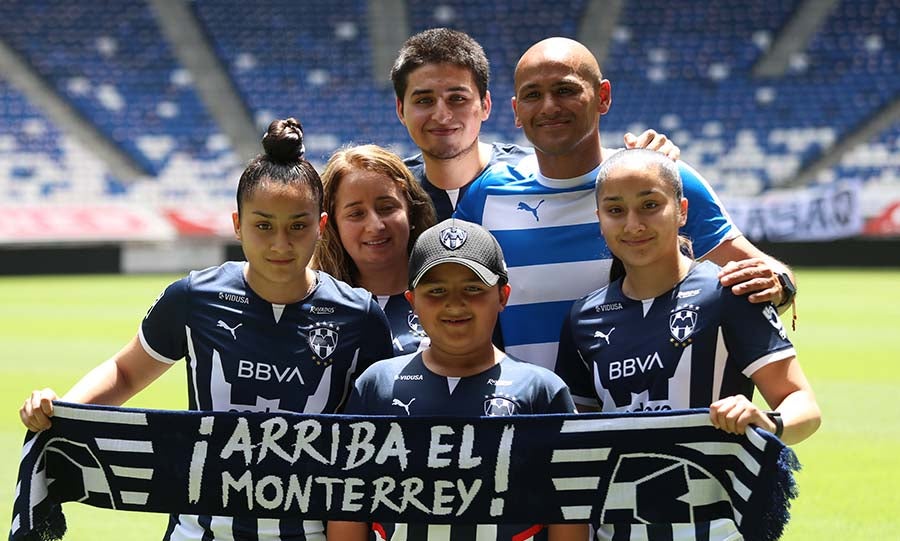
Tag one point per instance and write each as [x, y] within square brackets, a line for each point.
[447, 200]
[687, 348]
[244, 353]
[551, 239]
[405, 386]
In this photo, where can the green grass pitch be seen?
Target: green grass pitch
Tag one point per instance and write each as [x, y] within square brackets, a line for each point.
[54, 329]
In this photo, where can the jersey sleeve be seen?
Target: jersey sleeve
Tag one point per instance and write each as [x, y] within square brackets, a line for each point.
[356, 403]
[573, 369]
[708, 223]
[754, 334]
[561, 402]
[376, 340]
[162, 332]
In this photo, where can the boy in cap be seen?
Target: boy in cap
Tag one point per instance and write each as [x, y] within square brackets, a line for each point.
[457, 287]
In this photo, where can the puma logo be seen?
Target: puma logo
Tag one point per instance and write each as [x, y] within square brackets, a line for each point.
[224, 325]
[599, 334]
[397, 402]
[534, 211]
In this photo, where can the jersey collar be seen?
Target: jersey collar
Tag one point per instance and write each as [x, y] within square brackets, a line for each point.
[588, 178]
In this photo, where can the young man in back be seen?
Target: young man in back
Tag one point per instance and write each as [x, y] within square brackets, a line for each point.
[440, 79]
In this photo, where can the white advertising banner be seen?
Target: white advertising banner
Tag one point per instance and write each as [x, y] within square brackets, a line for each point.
[820, 213]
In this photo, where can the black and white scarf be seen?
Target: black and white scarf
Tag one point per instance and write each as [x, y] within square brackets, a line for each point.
[668, 467]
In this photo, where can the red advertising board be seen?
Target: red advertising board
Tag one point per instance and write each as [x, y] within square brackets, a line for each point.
[27, 224]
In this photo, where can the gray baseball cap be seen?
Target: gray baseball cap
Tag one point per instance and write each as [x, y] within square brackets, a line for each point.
[458, 241]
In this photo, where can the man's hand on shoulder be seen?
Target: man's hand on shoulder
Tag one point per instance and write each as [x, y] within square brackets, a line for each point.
[753, 277]
[749, 271]
[653, 140]
[760, 281]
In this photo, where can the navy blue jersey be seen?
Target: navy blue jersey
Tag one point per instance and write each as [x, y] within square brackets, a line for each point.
[246, 354]
[405, 328]
[446, 200]
[405, 386]
[687, 348]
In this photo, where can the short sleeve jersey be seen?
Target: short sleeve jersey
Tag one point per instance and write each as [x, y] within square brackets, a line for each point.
[405, 386]
[551, 239]
[447, 200]
[405, 328]
[244, 353]
[687, 348]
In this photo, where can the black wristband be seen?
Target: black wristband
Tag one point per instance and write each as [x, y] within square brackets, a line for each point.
[788, 289]
[775, 417]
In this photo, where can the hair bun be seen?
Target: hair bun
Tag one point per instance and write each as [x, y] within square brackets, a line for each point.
[283, 140]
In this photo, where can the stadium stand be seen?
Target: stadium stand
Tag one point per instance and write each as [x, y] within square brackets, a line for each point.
[749, 135]
[38, 163]
[514, 27]
[683, 68]
[111, 63]
[310, 60]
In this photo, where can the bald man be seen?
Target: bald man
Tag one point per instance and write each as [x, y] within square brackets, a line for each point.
[542, 211]
[440, 79]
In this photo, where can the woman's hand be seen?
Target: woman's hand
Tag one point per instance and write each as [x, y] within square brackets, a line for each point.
[37, 410]
[732, 414]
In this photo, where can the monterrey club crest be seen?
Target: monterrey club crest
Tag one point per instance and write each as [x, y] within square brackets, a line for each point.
[412, 319]
[498, 406]
[682, 322]
[323, 341]
[453, 237]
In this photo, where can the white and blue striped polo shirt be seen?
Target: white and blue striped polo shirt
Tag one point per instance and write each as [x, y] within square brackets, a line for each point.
[551, 239]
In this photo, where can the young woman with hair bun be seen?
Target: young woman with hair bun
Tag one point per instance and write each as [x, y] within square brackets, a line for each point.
[240, 322]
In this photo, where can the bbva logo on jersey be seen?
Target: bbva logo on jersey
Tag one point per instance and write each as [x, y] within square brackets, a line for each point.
[323, 341]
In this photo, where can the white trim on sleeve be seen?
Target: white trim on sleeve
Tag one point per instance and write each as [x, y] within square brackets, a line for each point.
[152, 352]
[773, 357]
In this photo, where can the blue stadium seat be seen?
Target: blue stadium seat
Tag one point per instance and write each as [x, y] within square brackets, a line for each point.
[112, 63]
[38, 163]
[685, 69]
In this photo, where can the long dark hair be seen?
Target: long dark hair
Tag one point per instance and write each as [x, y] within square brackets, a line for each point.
[282, 162]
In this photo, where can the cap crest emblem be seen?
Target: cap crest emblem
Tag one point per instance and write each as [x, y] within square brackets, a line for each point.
[453, 237]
